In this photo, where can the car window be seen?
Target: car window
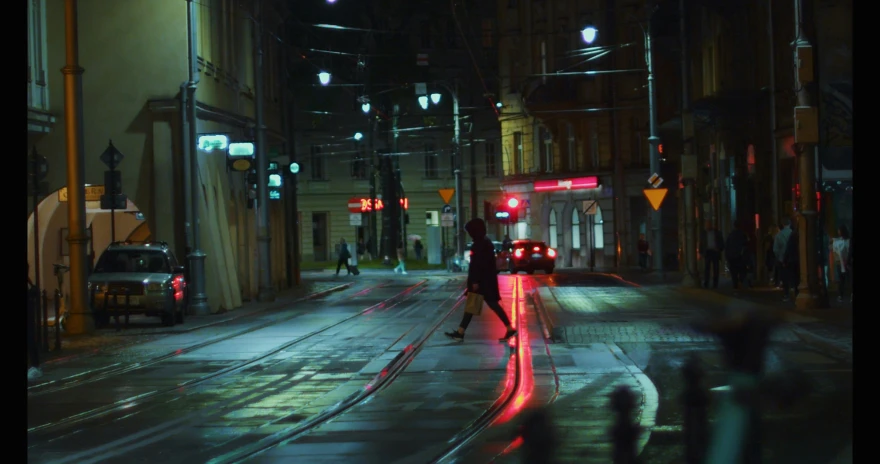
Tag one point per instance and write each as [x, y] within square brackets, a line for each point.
[172, 260]
[133, 261]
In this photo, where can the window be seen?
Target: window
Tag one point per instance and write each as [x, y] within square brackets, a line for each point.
[544, 141]
[575, 229]
[316, 163]
[598, 230]
[427, 35]
[572, 148]
[491, 168]
[359, 163]
[519, 155]
[553, 230]
[431, 171]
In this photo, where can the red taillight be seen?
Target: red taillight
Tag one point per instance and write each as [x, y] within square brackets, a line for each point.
[518, 253]
[472, 253]
[551, 252]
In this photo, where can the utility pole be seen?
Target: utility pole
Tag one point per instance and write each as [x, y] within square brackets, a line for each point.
[806, 136]
[619, 182]
[292, 220]
[374, 172]
[688, 159]
[459, 199]
[474, 193]
[653, 141]
[266, 289]
[80, 315]
[199, 297]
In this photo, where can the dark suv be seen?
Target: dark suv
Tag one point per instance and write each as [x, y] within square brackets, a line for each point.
[147, 274]
[529, 255]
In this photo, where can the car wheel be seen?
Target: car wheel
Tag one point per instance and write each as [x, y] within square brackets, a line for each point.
[181, 313]
[530, 271]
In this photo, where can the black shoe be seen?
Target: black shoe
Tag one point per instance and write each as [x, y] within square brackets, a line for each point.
[507, 335]
[455, 335]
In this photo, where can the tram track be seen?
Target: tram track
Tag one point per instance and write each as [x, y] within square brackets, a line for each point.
[41, 433]
[105, 372]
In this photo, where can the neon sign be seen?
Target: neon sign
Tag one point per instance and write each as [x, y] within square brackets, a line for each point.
[366, 206]
[580, 183]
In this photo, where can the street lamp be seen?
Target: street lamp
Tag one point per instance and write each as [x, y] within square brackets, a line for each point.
[358, 136]
[589, 33]
[365, 107]
[435, 98]
[423, 102]
[324, 77]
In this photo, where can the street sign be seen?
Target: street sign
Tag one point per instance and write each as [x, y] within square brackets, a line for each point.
[655, 180]
[354, 219]
[446, 209]
[422, 59]
[111, 156]
[655, 197]
[447, 220]
[93, 193]
[446, 195]
[354, 205]
[591, 207]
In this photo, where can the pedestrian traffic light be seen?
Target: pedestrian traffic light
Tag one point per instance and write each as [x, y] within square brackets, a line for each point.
[508, 211]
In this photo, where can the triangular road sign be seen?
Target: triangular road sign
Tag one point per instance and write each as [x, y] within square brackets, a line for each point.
[655, 197]
[446, 195]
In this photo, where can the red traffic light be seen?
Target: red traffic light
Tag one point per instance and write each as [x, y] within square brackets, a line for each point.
[513, 203]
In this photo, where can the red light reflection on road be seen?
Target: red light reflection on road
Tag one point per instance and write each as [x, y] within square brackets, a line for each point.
[520, 379]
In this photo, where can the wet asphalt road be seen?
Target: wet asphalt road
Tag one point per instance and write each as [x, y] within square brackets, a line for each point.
[246, 390]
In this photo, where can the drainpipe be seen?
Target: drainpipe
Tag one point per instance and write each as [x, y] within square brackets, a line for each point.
[266, 289]
[198, 298]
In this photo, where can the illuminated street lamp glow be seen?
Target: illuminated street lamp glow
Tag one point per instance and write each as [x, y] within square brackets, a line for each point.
[589, 34]
[358, 136]
[331, 1]
[324, 77]
[423, 102]
[435, 97]
[294, 168]
[498, 105]
[365, 107]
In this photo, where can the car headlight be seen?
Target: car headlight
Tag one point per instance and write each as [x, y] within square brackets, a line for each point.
[154, 287]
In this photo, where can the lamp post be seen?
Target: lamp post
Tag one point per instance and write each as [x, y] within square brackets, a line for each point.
[653, 141]
[456, 145]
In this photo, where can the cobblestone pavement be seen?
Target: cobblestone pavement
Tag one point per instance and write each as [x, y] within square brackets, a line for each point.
[651, 326]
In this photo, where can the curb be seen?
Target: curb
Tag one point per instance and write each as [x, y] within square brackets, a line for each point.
[547, 325]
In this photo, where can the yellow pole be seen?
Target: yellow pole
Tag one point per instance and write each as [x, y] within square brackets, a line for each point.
[80, 314]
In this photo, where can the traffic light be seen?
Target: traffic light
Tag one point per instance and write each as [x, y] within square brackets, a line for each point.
[508, 211]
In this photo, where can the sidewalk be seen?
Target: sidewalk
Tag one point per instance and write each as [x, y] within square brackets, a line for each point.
[830, 327]
[77, 346]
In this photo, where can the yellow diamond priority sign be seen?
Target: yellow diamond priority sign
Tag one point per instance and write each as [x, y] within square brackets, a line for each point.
[446, 195]
[655, 197]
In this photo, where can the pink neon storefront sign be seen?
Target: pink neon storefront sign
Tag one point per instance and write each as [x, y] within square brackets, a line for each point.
[579, 183]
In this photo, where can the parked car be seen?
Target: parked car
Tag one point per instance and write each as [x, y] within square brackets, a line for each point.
[500, 261]
[530, 255]
[148, 273]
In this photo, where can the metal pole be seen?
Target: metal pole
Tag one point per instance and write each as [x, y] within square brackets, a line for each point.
[654, 140]
[374, 226]
[113, 193]
[266, 290]
[774, 171]
[199, 298]
[294, 195]
[474, 193]
[80, 312]
[459, 203]
[807, 180]
[691, 275]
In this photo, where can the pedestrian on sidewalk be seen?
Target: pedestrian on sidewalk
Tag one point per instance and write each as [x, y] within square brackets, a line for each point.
[483, 279]
[401, 266]
[711, 246]
[344, 254]
[644, 251]
[418, 247]
[840, 251]
[735, 253]
[791, 260]
[33, 295]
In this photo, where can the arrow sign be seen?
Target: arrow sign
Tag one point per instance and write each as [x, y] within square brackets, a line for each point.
[446, 195]
[655, 197]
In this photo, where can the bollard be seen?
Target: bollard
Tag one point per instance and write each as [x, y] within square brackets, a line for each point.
[44, 331]
[696, 403]
[624, 433]
[539, 438]
[57, 320]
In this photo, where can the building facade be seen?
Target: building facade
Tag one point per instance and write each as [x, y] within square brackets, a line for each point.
[419, 50]
[135, 56]
[574, 126]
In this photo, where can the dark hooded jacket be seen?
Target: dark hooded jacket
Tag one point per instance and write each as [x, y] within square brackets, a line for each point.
[482, 268]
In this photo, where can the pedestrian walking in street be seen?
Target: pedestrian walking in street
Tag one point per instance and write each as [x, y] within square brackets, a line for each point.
[33, 295]
[344, 254]
[711, 246]
[482, 279]
[840, 251]
[735, 252]
[401, 266]
[644, 252]
[791, 261]
[418, 247]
